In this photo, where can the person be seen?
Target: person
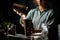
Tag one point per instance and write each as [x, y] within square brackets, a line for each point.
[41, 17]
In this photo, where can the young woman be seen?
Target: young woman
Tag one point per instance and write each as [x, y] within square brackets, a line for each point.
[41, 17]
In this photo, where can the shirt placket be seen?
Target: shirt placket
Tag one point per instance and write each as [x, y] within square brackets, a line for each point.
[41, 16]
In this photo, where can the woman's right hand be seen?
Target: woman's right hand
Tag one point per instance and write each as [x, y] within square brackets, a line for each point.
[18, 12]
[23, 17]
[22, 20]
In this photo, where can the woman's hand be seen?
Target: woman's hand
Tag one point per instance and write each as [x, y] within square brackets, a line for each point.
[23, 17]
[22, 20]
[18, 12]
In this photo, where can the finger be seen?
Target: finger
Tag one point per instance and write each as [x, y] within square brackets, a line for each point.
[23, 16]
[14, 10]
[20, 14]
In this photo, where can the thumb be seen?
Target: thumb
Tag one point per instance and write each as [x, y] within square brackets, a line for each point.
[23, 16]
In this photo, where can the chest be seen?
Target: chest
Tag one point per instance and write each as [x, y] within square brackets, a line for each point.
[40, 17]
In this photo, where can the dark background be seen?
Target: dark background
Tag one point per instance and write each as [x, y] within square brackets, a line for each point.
[7, 14]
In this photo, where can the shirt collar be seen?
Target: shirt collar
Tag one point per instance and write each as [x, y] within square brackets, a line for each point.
[42, 11]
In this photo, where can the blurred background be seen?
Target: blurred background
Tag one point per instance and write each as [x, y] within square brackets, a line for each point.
[8, 15]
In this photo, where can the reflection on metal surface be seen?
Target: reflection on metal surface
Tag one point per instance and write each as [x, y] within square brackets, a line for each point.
[17, 35]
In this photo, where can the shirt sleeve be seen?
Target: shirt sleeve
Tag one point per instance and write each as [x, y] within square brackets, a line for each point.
[30, 14]
[50, 20]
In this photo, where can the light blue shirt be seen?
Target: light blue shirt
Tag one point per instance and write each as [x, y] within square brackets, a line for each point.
[38, 18]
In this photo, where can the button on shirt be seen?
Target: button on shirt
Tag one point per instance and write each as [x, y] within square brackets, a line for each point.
[38, 18]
